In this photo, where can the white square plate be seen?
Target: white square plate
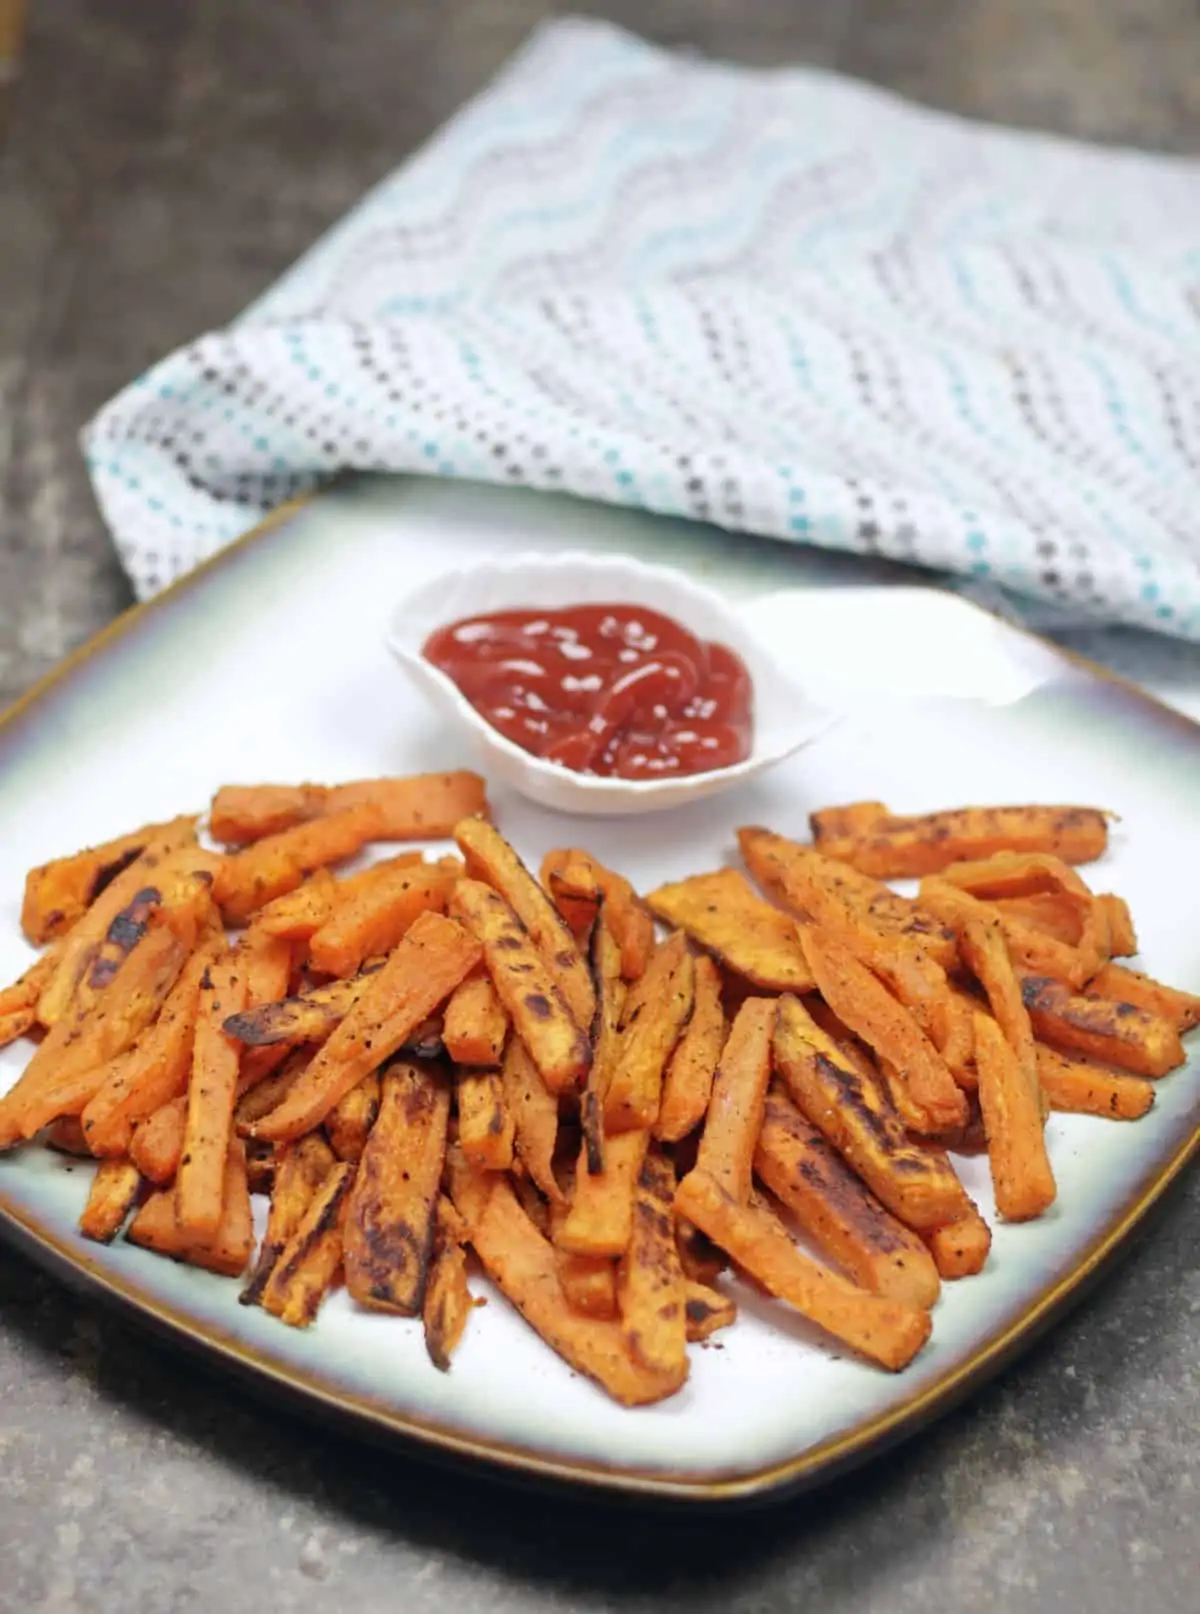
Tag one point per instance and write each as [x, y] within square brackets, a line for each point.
[271, 665]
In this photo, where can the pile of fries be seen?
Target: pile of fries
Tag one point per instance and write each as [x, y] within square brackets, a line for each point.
[608, 1100]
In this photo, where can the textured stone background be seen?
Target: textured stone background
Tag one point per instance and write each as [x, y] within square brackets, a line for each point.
[160, 162]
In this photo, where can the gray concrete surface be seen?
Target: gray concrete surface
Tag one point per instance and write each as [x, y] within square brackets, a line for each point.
[160, 163]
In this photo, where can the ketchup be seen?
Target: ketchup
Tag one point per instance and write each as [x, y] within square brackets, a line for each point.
[615, 690]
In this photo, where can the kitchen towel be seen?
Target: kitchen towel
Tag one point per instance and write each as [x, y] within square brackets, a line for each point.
[780, 301]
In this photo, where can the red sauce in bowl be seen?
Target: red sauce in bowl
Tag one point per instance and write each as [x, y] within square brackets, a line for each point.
[614, 690]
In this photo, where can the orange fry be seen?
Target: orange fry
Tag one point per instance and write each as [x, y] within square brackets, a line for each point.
[1121, 985]
[475, 1025]
[59, 893]
[1115, 1033]
[960, 1248]
[656, 1011]
[1012, 1121]
[422, 807]
[308, 1264]
[534, 1111]
[687, 1084]
[650, 1283]
[212, 1089]
[113, 1194]
[735, 1112]
[893, 847]
[724, 915]
[272, 867]
[627, 916]
[1081, 1088]
[157, 1142]
[156, 1225]
[485, 1128]
[374, 919]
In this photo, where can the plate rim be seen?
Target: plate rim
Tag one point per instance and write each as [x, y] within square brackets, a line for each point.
[368, 1416]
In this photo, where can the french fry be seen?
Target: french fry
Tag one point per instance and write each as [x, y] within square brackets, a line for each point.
[866, 1006]
[475, 1024]
[68, 1067]
[1081, 1088]
[157, 1067]
[19, 1002]
[309, 1017]
[267, 961]
[705, 1310]
[589, 1284]
[66, 1135]
[156, 1226]
[1057, 916]
[300, 1169]
[575, 892]
[792, 874]
[538, 1011]
[486, 1130]
[423, 807]
[735, 1111]
[960, 1248]
[533, 1109]
[157, 1142]
[309, 1262]
[1123, 942]
[605, 960]
[59, 893]
[348, 1124]
[428, 964]
[889, 1332]
[373, 920]
[1012, 1119]
[299, 914]
[723, 914]
[1020, 874]
[523, 1266]
[448, 1302]
[270, 868]
[600, 1220]
[1122, 985]
[260, 1096]
[857, 1117]
[1030, 947]
[492, 860]
[985, 954]
[113, 1194]
[837, 1211]
[627, 916]
[389, 1229]
[650, 1281]
[895, 847]
[89, 941]
[688, 1080]
[656, 1011]
[212, 1090]
[1114, 1033]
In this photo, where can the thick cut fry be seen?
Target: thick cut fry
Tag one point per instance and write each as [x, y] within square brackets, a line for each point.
[268, 966]
[728, 919]
[657, 1009]
[575, 892]
[299, 914]
[855, 1114]
[309, 1017]
[448, 1301]
[798, 878]
[534, 1112]
[424, 807]
[600, 1221]
[68, 1067]
[66, 1135]
[837, 1211]
[1012, 1122]
[156, 1225]
[492, 860]
[735, 1113]
[475, 1024]
[212, 1090]
[589, 1284]
[1121, 985]
[272, 867]
[627, 916]
[705, 1310]
[486, 1130]
[688, 1082]
[348, 1124]
[375, 919]
[157, 1142]
[1057, 916]
[960, 1249]
[259, 1097]
[1115, 1033]
[523, 1265]
[611, 992]
[1030, 946]
[866, 1006]
[888, 1331]
[433, 958]
[1020, 874]
[59, 893]
[1080, 1088]
[102, 936]
[985, 954]
[898, 848]
[113, 1194]
[157, 1067]
[650, 1283]
[309, 1262]
[300, 1169]
[538, 1011]
[389, 1229]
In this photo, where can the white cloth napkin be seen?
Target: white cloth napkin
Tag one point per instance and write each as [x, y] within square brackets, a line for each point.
[779, 301]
